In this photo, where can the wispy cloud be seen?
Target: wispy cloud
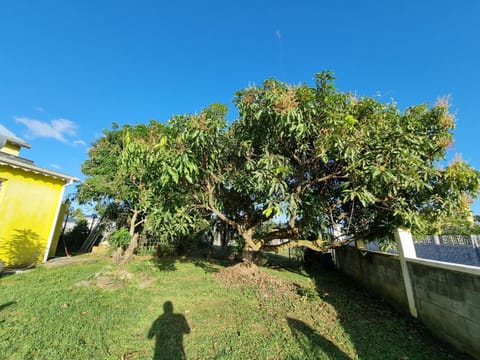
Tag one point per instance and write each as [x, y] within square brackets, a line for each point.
[79, 142]
[58, 129]
[55, 166]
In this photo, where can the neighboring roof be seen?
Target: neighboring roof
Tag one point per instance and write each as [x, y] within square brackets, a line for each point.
[21, 163]
[6, 134]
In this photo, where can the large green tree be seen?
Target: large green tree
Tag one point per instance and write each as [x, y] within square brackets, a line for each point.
[328, 166]
[335, 166]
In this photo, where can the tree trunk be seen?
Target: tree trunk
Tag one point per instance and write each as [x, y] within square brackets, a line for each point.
[130, 250]
[117, 256]
[250, 250]
[121, 256]
[249, 255]
[133, 222]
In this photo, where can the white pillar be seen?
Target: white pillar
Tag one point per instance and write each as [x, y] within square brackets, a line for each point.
[473, 240]
[406, 250]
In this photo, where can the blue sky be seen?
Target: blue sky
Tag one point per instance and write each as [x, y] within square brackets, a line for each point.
[68, 69]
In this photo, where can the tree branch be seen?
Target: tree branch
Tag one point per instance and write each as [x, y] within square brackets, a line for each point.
[318, 245]
[214, 209]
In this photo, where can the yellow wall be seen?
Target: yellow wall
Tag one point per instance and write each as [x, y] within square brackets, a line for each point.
[10, 148]
[28, 204]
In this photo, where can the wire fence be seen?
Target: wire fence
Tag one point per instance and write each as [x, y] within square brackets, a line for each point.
[147, 246]
[453, 240]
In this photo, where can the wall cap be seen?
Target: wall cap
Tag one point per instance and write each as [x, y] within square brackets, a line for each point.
[473, 270]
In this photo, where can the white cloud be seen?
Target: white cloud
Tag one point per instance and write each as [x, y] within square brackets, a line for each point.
[55, 166]
[58, 129]
[79, 142]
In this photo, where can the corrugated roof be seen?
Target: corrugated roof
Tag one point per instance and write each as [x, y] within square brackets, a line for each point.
[8, 135]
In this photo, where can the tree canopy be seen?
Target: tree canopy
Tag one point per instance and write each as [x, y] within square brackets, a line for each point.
[326, 165]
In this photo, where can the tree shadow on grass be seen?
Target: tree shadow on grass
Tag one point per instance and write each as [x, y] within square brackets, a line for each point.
[7, 304]
[281, 262]
[206, 266]
[168, 330]
[165, 264]
[168, 263]
[312, 343]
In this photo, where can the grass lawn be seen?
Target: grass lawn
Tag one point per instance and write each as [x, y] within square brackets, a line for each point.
[148, 309]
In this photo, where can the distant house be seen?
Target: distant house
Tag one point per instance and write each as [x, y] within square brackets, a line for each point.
[30, 205]
[71, 222]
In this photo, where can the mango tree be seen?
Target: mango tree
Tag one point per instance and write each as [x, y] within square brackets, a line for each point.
[329, 167]
[113, 182]
[105, 185]
[334, 166]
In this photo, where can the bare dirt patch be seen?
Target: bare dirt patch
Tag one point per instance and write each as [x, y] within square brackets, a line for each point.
[250, 275]
[110, 278]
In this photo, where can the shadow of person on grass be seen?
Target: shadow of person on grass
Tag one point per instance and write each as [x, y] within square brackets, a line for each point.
[312, 343]
[168, 330]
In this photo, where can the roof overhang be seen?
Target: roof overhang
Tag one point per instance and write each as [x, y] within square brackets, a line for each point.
[29, 166]
[7, 135]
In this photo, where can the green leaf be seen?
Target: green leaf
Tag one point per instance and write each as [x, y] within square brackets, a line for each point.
[268, 212]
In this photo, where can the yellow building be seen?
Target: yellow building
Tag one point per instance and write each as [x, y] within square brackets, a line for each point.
[30, 205]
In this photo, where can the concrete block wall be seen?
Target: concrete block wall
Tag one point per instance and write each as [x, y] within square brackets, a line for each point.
[446, 296]
[379, 272]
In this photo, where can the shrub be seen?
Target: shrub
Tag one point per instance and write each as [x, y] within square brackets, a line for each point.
[120, 238]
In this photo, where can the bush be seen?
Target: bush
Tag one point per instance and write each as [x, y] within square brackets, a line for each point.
[120, 238]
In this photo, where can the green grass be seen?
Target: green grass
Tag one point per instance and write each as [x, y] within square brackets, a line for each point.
[62, 313]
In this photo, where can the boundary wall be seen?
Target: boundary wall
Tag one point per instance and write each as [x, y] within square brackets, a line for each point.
[444, 296]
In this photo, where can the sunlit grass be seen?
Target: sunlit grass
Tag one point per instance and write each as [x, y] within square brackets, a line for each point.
[98, 311]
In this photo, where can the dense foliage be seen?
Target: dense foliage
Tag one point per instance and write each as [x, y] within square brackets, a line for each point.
[327, 166]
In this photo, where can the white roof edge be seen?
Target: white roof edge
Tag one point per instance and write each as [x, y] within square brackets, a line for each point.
[37, 169]
[10, 136]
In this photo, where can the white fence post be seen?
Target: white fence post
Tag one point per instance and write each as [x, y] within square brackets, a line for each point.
[474, 240]
[406, 249]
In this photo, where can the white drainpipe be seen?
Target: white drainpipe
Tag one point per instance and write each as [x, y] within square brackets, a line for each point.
[55, 219]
